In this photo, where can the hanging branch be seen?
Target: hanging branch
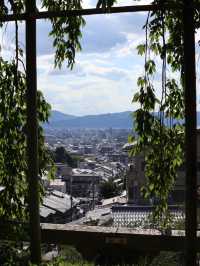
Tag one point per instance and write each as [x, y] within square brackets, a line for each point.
[65, 31]
[14, 9]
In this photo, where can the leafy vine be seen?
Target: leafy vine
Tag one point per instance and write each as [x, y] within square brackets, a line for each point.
[159, 120]
[13, 141]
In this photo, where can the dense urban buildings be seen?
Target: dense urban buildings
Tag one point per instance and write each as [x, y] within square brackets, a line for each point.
[104, 177]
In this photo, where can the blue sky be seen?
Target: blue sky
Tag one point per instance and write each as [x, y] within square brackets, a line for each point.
[105, 74]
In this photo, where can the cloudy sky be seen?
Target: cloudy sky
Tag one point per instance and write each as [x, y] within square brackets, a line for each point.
[104, 77]
[105, 74]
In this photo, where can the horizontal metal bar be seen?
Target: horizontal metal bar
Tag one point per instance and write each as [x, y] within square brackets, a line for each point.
[87, 12]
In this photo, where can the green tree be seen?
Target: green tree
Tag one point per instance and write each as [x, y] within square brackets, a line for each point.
[62, 156]
[109, 189]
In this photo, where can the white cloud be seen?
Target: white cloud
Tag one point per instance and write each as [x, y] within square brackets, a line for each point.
[96, 96]
[97, 84]
[105, 73]
[104, 77]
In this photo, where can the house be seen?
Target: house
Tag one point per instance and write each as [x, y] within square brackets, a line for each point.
[58, 207]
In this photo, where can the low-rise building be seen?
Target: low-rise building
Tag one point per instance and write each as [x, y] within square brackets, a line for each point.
[83, 183]
[58, 207]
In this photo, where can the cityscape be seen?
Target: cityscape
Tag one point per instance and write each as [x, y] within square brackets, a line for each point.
[97, 182]
[93, 181]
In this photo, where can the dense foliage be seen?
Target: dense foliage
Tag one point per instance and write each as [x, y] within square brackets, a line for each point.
[60, 155]
[109, 189]
[69, 256]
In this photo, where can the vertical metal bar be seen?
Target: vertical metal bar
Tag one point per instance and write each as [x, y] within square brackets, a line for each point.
[190, 132]
[32, 135]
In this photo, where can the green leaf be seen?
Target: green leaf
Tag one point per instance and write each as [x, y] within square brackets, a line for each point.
[141, 49]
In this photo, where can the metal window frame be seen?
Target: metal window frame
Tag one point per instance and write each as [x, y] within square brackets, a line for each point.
[30, 17]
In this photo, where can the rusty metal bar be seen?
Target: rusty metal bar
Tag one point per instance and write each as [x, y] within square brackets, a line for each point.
[32, 136]
[190, 133]
[91, 11]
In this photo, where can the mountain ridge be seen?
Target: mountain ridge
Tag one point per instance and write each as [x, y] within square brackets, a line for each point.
[107, 120]
[118, 120]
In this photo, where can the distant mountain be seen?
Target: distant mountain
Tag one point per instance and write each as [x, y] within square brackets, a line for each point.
[60, 120]
[57, 116]
[111, 120]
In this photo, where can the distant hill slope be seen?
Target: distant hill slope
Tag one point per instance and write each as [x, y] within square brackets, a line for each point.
[112, 120]
[59, 116]
[60, 120]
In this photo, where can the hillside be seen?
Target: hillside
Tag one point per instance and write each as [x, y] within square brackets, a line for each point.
[111, 120]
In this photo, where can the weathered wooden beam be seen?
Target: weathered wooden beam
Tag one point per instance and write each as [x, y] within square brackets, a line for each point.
[88, 12]
[190, 133]
[101, 238]
[32, 136]
[109, 238]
